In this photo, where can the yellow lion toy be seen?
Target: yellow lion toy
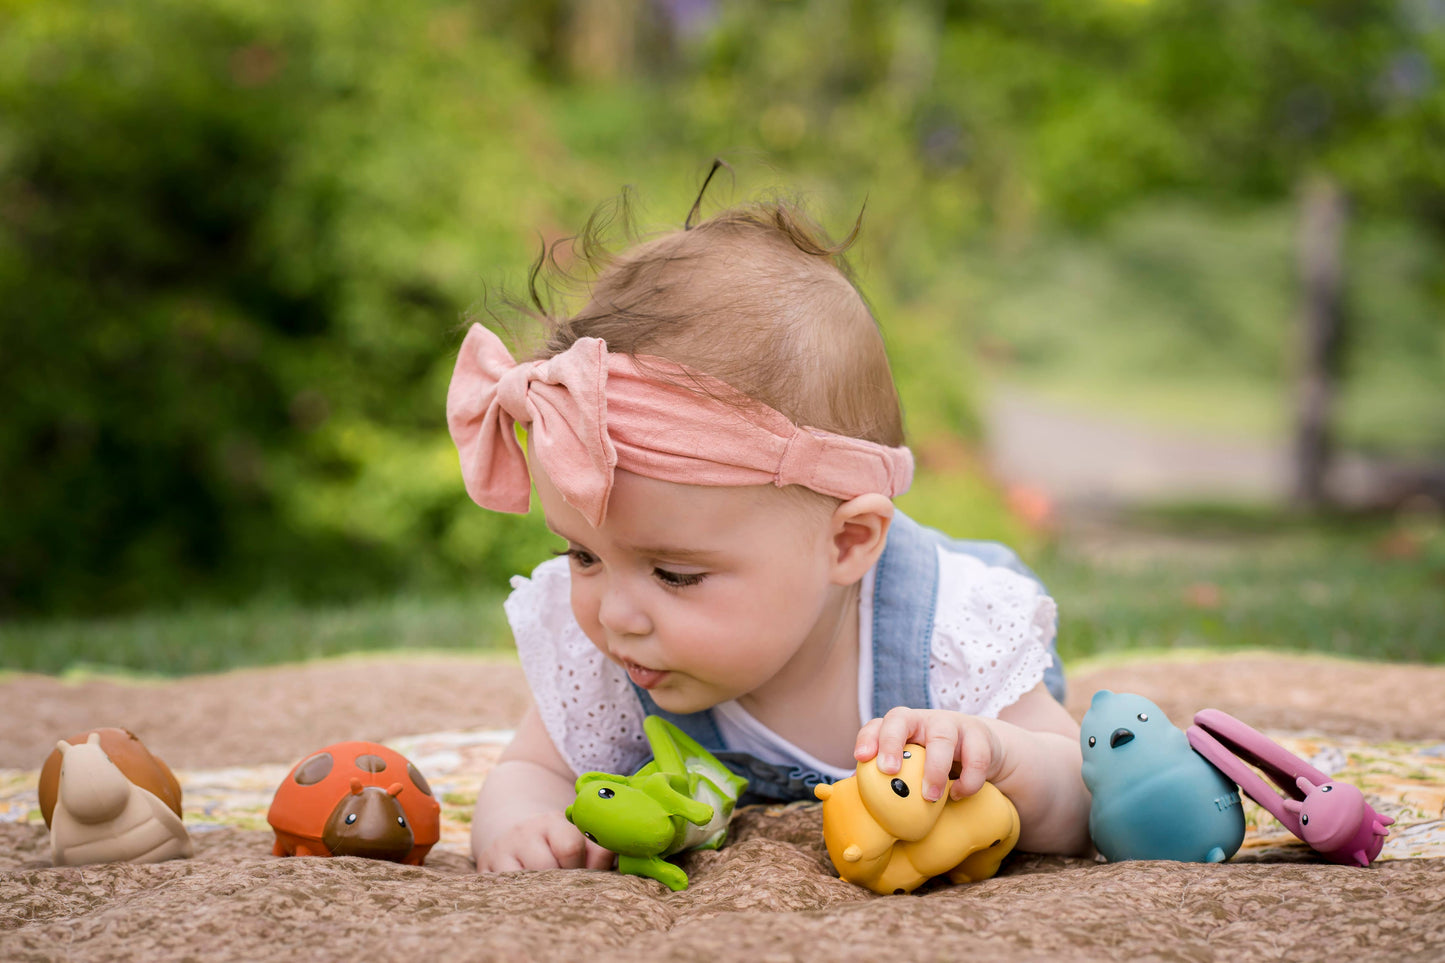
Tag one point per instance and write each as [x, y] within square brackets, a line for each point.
[882, 834]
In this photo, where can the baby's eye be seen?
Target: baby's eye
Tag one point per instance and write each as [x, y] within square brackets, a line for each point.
[678, 579]
[580, 556]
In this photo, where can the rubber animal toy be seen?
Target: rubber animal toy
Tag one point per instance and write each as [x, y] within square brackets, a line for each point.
[355, 799]
[1154, 796]
[1332, 817]
[680, 800]
[106, 798]
[882, 834]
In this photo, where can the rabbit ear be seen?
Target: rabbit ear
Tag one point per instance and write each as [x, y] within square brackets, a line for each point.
[1293, 805]
[1305, 785]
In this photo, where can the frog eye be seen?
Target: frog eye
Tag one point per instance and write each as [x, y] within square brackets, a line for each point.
[605, 793]
[350, 818]
[1143, 717]
[1092, 742]
[907, 754]
[590, 836]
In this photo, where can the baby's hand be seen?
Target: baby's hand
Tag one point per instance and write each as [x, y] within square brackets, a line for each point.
[544, 841]
[947, 738]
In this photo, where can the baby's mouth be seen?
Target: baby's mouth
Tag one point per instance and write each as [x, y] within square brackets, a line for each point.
[642, 675]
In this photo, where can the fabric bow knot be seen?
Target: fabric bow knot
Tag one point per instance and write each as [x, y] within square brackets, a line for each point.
[588, 412]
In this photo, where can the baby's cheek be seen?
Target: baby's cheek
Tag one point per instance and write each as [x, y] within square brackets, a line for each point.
[584, 610]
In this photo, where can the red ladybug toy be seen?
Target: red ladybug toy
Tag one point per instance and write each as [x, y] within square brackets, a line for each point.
[355, 799]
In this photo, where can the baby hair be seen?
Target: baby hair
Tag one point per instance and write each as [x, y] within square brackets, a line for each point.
[757, 296]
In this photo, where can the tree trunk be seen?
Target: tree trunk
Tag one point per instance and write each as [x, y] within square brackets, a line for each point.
[1321, 322]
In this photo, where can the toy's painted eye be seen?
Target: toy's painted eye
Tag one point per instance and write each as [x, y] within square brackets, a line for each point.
[1304, 819]
[401, 821]
[1092, 742]
[605, 793]
[590, 836]
[350, 818]
[907, 754]
[1326, 788]
[1143, 717]
[900, 788]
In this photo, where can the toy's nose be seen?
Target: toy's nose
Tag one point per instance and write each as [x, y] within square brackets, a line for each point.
[1120, 737]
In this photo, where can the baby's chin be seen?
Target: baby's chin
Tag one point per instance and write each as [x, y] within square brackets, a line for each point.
[681, 696]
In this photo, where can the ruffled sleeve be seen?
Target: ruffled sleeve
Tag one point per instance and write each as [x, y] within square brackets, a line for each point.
[586, 702]
[991, 635]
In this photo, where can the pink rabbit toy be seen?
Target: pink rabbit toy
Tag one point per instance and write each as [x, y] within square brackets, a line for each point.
[1332, 817]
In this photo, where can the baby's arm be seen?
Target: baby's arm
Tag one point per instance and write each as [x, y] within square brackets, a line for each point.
[1030, 752]
[519, 821]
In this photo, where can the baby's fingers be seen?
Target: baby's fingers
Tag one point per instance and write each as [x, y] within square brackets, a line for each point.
[938, 762]
[865, 747]
[976, 756]
[898, 728]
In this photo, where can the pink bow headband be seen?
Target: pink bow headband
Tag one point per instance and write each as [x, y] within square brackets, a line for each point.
[589, 412]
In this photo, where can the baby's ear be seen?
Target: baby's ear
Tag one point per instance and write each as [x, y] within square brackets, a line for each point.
[860, 530]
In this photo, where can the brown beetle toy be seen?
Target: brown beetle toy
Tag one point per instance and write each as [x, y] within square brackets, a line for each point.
[355, 799]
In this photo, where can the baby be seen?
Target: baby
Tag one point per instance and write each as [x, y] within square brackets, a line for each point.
[717, 439]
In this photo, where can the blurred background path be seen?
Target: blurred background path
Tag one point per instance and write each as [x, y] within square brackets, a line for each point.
[1084, 462]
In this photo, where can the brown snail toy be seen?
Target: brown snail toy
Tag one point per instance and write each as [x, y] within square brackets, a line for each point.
[106, 798]
[355, 799]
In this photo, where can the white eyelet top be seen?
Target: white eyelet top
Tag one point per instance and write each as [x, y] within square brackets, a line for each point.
[991, 634]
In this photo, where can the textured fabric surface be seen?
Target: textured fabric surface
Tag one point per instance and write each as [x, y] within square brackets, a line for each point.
[769, 894]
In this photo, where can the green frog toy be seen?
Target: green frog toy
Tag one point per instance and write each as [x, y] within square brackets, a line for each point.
[680, 800]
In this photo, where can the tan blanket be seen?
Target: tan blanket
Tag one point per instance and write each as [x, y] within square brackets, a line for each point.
[769, 894]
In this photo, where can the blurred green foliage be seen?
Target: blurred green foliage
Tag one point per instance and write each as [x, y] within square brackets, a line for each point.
[238, 240]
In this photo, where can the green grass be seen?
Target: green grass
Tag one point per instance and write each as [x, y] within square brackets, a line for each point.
[1221, 580]
[265, 633]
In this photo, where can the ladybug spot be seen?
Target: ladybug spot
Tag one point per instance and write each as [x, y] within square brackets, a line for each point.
[417, 779]
[900, 788]
[313, 770]
[367, 762]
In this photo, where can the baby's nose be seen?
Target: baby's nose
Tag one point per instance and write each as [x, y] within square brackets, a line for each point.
[620, 613]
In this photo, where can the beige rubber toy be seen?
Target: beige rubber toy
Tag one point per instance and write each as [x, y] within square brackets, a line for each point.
[103, 801]
[881, 833]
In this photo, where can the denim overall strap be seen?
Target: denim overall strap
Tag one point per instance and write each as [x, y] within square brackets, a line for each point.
[905, 595]
[990, 553]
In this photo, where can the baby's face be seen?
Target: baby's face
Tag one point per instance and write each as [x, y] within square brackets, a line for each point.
[703, 594]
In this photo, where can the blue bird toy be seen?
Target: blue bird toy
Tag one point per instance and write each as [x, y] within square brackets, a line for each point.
[1154, 796]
